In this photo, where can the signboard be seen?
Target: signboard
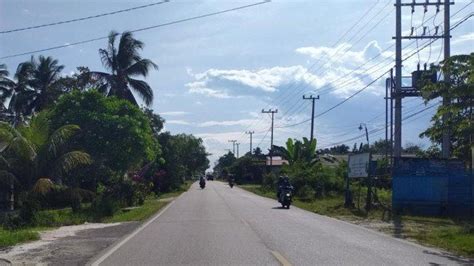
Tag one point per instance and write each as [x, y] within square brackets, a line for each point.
[358, 165]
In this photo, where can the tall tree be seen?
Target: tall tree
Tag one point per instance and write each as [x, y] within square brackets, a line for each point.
[6, 84]
[124, 62]
[460, 90]
[35, 88]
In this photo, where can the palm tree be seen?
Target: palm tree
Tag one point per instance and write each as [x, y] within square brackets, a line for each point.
[6, 84]
[31, 152]
[125, 62]
[36, 83]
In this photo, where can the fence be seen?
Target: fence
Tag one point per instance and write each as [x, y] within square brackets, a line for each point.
[432, 187]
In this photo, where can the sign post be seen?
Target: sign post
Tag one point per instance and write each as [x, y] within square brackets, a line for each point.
[358, 165]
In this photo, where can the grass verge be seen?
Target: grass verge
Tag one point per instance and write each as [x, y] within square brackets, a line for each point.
[50, 219]
[456, 236]
[9, 238]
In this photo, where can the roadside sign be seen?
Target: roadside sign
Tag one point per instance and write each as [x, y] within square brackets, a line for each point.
[358, 165]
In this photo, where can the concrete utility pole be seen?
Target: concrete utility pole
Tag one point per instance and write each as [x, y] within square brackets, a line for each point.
[397, 152]
[237, 144]
[233, 145]
[446, 144]
[250, 133]
[312, 98]
[403, 91]
[271, 111]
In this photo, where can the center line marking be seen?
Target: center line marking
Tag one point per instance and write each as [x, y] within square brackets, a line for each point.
[280, 258]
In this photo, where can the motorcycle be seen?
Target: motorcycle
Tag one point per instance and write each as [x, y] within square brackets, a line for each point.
[285, 198]
[231, 183]
[202, 184]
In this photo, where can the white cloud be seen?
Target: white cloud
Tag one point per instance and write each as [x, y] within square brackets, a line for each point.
[178, 122]
[340, 70]
[469, 37]
[242, 122]
[174, 113]
[237, 83]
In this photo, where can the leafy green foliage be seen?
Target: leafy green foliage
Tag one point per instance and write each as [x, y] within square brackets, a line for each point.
[114, 132]
[296, 151]
[184, 156]
[458, 114]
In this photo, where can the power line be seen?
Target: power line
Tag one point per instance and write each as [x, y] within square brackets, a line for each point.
[359, 91]
[83, 18]
[378, 129]
[140, 29]
[328, 88]
[338, 104]
[335, 44]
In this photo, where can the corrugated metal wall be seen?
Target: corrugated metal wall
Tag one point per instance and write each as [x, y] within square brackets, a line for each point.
[432, 187]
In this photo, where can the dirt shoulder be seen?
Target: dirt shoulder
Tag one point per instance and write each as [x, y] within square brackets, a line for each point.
[67, 245]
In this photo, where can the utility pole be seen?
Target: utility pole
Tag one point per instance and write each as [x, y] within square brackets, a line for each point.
[237, 144]
[414, 91]
[446, 144]
[271, 111]
[368, 202]
[233, 145]
[250, 133]
[398, 80]
[312, 98]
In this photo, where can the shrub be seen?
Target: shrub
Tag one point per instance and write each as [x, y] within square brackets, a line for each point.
[105, 206]
[269, 181]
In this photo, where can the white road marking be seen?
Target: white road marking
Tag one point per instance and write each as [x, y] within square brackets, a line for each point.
[116, 247]
[280, 258]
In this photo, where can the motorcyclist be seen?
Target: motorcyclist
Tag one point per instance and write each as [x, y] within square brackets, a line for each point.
[230, 179]
[283, 183]
[202, 180]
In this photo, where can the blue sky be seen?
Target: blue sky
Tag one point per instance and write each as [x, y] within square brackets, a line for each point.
[217, 73]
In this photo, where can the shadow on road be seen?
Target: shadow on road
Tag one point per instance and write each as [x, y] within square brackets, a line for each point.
[458, 260]
[279, 208]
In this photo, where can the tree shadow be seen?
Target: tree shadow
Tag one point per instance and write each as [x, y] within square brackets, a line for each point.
[451, 257]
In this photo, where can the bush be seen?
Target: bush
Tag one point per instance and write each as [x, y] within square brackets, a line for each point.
[12, 221]
[29, 210]
[105, 206]
[305, 193]
[269, 181]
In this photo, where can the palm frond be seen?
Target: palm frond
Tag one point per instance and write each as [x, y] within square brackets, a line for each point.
[141, 67]
[143, 89]
[128, 50]
[59, 138]
[70, 161]
[42, 186]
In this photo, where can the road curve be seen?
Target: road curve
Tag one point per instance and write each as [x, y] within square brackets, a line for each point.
[224, 226]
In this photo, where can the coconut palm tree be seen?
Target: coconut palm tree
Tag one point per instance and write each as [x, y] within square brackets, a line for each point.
[124, 62]
[6, 84]
[31, 152]
[36, 89]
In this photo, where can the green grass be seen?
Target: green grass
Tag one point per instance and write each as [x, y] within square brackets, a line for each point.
[456, 236]
[9, 238]
[150, 207]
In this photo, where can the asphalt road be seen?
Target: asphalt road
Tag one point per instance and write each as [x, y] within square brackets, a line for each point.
[224, 226]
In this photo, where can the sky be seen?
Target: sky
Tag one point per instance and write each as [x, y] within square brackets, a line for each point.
[217, 73]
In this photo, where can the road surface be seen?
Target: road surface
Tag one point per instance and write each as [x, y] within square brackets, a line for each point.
[224, 226]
